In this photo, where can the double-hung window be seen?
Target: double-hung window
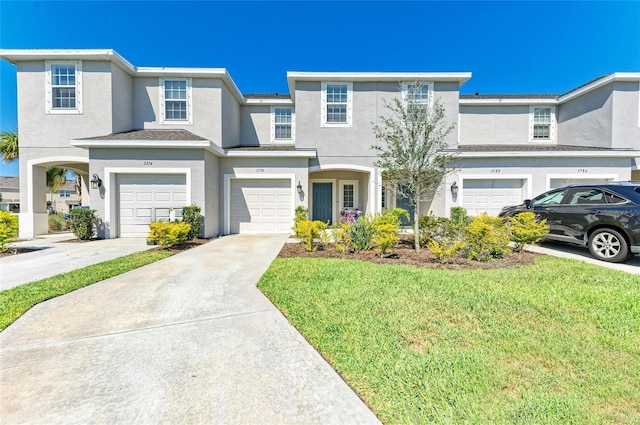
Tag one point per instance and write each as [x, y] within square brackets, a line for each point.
[542, 123]
[282, 124]
[336, 104]
[175, 100]
[417, 97]
[63, 87]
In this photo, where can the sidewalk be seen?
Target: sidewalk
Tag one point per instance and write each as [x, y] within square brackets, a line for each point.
[54, 256]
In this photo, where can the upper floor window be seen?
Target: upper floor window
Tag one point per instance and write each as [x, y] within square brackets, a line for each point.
[63, 87]
[65, 193]
[282, 123]
[175, 101]
[336, 104]
[542, 123]
[417, 95]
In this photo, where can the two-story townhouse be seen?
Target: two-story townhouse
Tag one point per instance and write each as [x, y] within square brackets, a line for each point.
[513, 147]
[154, 139]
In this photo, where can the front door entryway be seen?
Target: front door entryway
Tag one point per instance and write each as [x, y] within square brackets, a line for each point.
[322, 202]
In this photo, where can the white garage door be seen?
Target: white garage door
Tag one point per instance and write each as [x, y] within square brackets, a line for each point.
[145, 198]
[555, 183]
[261, 206]
[489, 195]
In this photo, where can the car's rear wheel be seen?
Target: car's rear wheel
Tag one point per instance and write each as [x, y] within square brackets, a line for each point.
[608, 245]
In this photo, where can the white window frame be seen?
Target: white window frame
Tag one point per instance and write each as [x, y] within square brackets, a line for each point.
[323, 105]
[49, 108]
[552, 124]
[355, 193]
[163, 110]
[273, 125]
[428, 84]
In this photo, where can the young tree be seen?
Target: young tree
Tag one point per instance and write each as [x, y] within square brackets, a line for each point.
[412, 147]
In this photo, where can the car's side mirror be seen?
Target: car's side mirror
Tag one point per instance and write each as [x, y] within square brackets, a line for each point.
[527, 203]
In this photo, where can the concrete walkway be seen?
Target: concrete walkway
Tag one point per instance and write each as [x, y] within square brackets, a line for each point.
[582, 253]
[54, 256]
[186, 340]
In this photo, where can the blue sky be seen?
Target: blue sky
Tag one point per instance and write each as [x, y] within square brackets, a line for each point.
[509, 47]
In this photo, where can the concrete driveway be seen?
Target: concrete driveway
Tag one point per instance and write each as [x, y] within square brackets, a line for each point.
[188, 339]
[581, 253]
[56, 255]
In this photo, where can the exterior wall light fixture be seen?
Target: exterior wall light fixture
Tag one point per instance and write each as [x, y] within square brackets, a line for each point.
[299, 187]
[96, 182]
[454, 188]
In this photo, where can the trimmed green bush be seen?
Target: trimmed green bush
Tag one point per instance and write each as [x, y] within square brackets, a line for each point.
[8, 229]
[168, 234]
[341, 237]
[191, 215]
[302, 213]
[361, 233]
[459, 216]
[486, 238]
[57, 223]
[526, 229]
[308, 231]
[431, 227]
[83, 222]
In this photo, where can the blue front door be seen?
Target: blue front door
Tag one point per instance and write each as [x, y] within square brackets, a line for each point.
[322, 202]
[405, 203]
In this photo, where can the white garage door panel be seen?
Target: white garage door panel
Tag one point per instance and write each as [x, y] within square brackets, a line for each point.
[489, 196]
[261, 206]
[555, 183]
[147, 198]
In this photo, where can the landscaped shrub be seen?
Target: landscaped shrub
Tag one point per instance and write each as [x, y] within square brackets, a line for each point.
[431, 227]
[302, 213]
[168, 234]
[341, 237]
[82, 222]
[445, 248]
[361, 233]
[459, 217]
[308, 231]
[526, 229]
[386, 227]
[191, 215]
[486, 238]
[8, 229]
[57, 223]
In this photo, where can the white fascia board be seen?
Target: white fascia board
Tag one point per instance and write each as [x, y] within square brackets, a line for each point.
[460, 77]
[287, 102]
[607, 79]
[499, 101]
[547, 154]
[271, 154]
[161, 144]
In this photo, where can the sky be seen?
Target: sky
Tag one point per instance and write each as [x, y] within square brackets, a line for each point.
[509, 47]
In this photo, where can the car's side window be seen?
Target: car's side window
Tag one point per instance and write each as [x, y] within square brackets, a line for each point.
[614, 199]
[551, 198]
[586, 197]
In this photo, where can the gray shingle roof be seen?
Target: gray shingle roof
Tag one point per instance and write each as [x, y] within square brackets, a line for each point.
[509, 96]
[150, 135]
[267, 96]
[264, 148]
[528, 148]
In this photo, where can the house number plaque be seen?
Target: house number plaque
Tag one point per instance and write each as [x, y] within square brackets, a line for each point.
[147, 163]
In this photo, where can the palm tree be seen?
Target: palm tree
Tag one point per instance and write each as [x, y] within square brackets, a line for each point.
[56, 178]
[9, 145]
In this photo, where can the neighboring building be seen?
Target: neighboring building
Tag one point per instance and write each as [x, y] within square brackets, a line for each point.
[162, 138]
[10, 194]
[59, 202]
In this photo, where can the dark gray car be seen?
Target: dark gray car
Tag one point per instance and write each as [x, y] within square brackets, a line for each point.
[605, 217]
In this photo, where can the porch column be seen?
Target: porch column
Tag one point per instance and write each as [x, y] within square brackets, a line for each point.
[33, 218]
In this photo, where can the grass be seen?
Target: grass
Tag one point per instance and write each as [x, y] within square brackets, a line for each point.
[14, 302]
[555, 342]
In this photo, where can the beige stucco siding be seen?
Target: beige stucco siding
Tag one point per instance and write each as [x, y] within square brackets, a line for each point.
[626, 116]
[489, 124]
[255, 123]
[586, 120]
[230, 118]
[122, 100]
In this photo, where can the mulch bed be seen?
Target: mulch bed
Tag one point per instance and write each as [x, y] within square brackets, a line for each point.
[404, 254]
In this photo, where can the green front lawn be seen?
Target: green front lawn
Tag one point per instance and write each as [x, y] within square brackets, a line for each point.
[14, 302]
[556, 342]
